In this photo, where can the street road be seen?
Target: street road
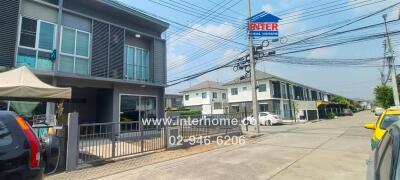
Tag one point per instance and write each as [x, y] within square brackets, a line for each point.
[328, 149]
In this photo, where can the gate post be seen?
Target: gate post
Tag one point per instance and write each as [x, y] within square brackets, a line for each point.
[114, 133]
[72, 143]
[141, 136]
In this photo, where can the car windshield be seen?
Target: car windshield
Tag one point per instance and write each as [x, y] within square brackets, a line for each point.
[389, 119]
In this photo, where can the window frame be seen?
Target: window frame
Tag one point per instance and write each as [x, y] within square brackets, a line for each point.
[204, 95]
[264, 85]
[74, 56]
[234, 90]
[223, 96]
[134, 65]
[216, 95]
[284, 93]
[187, 97]
[37, 38]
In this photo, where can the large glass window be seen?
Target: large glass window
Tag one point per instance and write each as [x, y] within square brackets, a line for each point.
[136, 64]
[74, 51]
[262, 88]
[284, 91]
[36, 43]
[204, 95]
[234, 91]
[215, 95]
[46, 36]
[264, 107]
[136, 108]
[28, 33]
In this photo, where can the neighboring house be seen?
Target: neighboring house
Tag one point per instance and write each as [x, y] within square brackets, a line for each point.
[113, 56]
[275, 94]
[362, 103]
[209, 97]
[173, 101]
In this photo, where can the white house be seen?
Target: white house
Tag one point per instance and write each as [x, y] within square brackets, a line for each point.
[208, 96]
[275, 94]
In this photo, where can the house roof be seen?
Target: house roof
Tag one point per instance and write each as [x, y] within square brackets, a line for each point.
[205, 85]
[137, 12]
[259, 75]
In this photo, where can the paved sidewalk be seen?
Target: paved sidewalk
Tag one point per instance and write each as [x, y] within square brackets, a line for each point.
[331, 149]
[129, 163]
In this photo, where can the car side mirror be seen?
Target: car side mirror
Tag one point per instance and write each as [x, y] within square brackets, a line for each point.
[370, 126]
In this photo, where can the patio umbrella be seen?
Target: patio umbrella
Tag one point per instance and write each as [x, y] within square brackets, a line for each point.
[21, 83]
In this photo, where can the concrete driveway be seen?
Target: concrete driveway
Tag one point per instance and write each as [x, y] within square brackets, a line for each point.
[329, 149]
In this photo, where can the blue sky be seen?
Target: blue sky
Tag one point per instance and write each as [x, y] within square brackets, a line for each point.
[192, 51]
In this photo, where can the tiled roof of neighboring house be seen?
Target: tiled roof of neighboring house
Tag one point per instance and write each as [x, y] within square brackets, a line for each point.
[259, 75]
[205, 85]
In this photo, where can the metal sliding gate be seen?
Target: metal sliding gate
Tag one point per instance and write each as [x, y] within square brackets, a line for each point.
[101, 141]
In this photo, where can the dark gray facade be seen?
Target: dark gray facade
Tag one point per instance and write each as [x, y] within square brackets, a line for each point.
[110, 27]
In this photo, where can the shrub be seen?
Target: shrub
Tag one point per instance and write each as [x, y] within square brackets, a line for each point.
[331, 115]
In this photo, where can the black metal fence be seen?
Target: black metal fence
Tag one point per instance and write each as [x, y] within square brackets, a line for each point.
[210, 124]
[101, 141]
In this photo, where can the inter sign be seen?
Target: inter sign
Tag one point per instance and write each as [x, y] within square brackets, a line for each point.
[264, 24]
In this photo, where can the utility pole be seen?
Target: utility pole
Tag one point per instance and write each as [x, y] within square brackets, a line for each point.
[392, 65]
[253, 72]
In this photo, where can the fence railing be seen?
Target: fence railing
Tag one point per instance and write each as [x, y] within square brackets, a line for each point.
[101, 141]
[210, 124]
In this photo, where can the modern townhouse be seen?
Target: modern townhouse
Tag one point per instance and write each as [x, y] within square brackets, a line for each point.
[113, 56]
[209, 97]
[283, 97]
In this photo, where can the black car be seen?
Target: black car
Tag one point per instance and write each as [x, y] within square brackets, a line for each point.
[347, 112]
[384, 161]
[20, 149]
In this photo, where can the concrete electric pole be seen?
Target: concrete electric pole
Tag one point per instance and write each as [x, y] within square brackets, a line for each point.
[392, 65]
[253, 72]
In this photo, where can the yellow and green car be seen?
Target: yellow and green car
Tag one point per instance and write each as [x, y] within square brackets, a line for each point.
[387, 118]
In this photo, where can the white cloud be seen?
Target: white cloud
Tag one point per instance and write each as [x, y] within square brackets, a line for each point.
[175, 59]
[267, 8]
[203, 35]
[370, 7]
[291, 25]
[322, 53]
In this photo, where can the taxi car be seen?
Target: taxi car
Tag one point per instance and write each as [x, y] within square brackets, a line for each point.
[387, 118]
[383, 163]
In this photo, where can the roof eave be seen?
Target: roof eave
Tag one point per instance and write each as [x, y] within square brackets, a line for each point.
[136, 12]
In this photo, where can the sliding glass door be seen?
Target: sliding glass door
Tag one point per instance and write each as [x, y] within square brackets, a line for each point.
[134, 108]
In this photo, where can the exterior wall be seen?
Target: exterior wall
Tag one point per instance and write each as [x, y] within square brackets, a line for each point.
[207, 104]
[9, 10]
[245, 95]
[195, 98]
[96, 96]
[109, 32]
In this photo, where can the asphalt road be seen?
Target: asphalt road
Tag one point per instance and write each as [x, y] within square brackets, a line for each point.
[328, 149]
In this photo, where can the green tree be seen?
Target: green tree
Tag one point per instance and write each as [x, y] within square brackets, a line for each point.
[384, 96]
[341, 100]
